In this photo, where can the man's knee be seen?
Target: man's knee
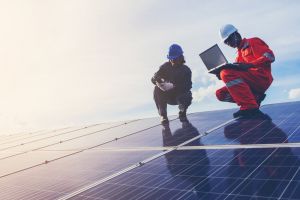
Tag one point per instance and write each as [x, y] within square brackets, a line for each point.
[185, 99]
[219, 95]
[158, 93]
[227, 73]
[223, 95]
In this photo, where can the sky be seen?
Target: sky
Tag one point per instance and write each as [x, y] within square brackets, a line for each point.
[77, 62]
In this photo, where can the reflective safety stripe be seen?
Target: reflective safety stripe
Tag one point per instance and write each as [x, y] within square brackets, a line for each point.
[228, 98]
[269, 56]
[234, 82]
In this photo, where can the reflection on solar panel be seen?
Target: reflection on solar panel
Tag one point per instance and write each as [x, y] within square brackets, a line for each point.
[212, 157]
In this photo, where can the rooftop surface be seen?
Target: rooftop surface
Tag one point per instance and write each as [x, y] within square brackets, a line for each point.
[212, 157]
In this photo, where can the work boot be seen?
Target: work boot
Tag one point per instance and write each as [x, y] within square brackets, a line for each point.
[260, 98]
[182, 116]
[250, 113]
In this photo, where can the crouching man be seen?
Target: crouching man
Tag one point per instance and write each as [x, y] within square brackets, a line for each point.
[173, 85]
[250, 77]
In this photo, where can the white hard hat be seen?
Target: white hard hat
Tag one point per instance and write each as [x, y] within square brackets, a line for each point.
[226, 31]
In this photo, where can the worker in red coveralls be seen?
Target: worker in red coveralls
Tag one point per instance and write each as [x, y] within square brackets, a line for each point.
[247, 79]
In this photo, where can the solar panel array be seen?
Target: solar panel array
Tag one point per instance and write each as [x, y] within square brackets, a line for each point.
[212, 157]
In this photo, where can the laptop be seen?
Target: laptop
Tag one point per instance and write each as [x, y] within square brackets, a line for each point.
[213, 59]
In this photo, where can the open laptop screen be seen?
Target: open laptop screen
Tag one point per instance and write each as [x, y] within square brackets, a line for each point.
[213, 57]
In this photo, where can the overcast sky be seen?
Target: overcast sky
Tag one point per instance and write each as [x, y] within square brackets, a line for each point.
[74, 62]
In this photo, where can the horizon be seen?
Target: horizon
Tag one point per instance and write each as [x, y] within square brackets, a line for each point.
[70, 64]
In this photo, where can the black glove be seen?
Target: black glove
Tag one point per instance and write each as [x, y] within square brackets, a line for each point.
[240, 66]
[234, 66]
[229, 66]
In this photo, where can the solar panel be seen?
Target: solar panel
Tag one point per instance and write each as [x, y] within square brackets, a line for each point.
[212, 157]
[154, 137]
[25, 152]
[96, 138]
[254, 172]
[12, 165]
[20, 136]
[207, 174]
[35, 141]
[60, 177]
[282, 120]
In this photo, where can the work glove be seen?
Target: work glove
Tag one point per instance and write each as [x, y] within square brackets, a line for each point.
[165, 86]
[237, 66]
[241, 66]
[234, 66]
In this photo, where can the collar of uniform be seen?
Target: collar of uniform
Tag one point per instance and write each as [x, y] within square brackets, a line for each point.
[174, 66]
[244, 44]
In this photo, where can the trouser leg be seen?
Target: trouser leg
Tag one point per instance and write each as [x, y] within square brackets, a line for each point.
[223, 94]
[184, 101]
[160, 99]
[239, 89]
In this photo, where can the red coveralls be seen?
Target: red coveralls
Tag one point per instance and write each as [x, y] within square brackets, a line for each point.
[246, 87]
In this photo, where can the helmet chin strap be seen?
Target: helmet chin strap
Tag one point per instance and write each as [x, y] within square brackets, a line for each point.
[178, 61]
[235, 41]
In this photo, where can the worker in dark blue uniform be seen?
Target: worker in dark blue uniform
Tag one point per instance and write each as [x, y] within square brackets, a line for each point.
[173, 85]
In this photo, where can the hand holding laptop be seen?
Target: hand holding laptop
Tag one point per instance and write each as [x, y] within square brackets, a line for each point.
[234, 66]
[215, 61]
[242, 66]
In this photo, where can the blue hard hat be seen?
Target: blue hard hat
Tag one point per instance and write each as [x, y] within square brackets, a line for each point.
[174, 52]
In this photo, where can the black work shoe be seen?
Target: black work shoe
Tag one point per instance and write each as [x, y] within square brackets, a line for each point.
[182, 116]
[261, 98]
[250, 113]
